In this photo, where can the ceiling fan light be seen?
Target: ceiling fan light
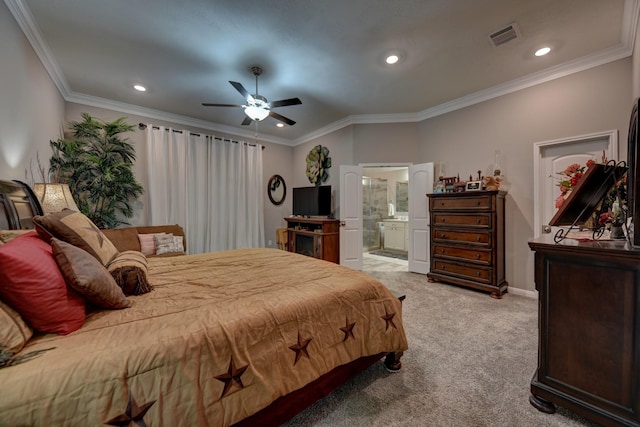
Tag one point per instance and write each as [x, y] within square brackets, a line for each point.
[256, 113]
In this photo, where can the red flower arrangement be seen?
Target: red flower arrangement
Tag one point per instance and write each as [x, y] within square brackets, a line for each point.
[569, 179]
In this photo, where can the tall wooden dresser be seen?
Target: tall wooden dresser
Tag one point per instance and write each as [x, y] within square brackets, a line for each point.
[467, 240]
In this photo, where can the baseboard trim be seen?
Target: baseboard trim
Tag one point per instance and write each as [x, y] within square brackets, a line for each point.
[523, 292]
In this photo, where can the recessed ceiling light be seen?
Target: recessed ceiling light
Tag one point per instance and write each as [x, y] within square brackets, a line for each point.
[543, 51]
[139, 88]
[280, 125]
[392, 59]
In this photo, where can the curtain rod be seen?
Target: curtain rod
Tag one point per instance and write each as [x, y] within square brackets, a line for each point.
[142, 126]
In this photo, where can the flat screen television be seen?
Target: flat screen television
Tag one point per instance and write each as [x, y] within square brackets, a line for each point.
[312, 201]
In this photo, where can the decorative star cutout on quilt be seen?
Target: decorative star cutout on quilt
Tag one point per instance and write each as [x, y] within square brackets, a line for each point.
[348, 330]
[301, 348]
[133, 416]
[388, 317]
[233, 375]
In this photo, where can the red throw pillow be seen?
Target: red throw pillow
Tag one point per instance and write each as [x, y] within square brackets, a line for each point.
[31, 283]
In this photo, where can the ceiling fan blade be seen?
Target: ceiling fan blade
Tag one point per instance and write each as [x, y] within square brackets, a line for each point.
[285, 102]
[282, 118]
[208, 104]
[247, 121]
[242, 90]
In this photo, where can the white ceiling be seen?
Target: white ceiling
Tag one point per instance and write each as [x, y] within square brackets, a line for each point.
[327, 53]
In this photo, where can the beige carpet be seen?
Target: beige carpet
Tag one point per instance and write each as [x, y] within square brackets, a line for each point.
[470, 361]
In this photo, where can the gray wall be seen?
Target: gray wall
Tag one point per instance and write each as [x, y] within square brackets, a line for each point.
[636, 66]
[465, 141]
[595, 100]
[31, 108]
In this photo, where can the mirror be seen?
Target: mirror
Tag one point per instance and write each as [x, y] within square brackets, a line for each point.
[276, 190]
[402, 196]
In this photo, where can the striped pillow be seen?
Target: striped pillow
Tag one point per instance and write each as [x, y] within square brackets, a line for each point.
[130, 268]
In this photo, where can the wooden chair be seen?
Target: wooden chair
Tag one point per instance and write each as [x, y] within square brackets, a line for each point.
[281, 238]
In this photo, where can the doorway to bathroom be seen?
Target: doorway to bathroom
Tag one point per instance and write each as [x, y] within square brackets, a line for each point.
[385, 215]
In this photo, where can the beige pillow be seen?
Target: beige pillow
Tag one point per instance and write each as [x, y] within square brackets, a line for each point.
[75, 228]
[14, 332]
[84, 274]
[130, 268]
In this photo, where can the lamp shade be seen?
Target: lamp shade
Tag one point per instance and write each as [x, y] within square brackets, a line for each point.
[256, 113]
[54, 197]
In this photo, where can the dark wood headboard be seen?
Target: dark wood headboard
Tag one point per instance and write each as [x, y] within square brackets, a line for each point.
[18, 206]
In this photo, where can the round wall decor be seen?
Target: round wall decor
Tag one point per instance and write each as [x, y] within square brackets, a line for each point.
[276, 190]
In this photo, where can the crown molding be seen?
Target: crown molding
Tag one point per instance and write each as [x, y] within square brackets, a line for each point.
[108, 104]
[631, 15]
[581, 64]
[25, 20]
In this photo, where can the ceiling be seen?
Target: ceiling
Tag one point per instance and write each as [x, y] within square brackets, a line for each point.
[328, 53]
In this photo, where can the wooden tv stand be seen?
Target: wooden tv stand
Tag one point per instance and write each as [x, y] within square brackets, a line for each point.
[316, 237]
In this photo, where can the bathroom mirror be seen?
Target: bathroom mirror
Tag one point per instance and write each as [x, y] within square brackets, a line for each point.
[402, 196]
[276, 190]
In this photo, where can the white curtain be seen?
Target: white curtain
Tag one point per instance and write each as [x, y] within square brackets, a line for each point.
[212, 188]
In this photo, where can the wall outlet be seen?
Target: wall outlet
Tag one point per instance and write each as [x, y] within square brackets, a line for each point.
[270, 243]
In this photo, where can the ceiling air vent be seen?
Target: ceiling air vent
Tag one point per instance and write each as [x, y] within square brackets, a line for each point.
[504, 35]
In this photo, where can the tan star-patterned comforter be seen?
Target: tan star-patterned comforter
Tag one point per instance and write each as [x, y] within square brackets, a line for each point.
[221, 336]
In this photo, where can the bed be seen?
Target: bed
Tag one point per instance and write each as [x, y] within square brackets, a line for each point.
[242, 337]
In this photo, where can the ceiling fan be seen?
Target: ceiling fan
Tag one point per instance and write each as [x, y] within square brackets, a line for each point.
[258, 108]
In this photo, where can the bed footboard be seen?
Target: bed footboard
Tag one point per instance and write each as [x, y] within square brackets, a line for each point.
[290, 405]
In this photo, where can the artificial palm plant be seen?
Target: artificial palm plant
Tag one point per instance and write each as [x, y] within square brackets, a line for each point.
[97, 165]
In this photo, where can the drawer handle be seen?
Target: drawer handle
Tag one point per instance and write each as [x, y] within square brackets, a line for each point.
[477, 202]
[478, 273]
[478, 238]
[442, 236]
[442, 251]
[441, 203]
[478, 221]
[477, 256]
[444, 219]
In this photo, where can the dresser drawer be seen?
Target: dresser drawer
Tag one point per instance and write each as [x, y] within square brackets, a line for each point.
[472, 220]
[477, 238]
[477, 256]
[464, 271]
[460, 203]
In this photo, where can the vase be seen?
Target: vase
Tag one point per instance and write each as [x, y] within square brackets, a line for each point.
[617, 232]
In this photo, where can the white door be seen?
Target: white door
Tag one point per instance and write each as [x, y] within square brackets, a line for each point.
[552, 157]
[420, 183]
[351, 216]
